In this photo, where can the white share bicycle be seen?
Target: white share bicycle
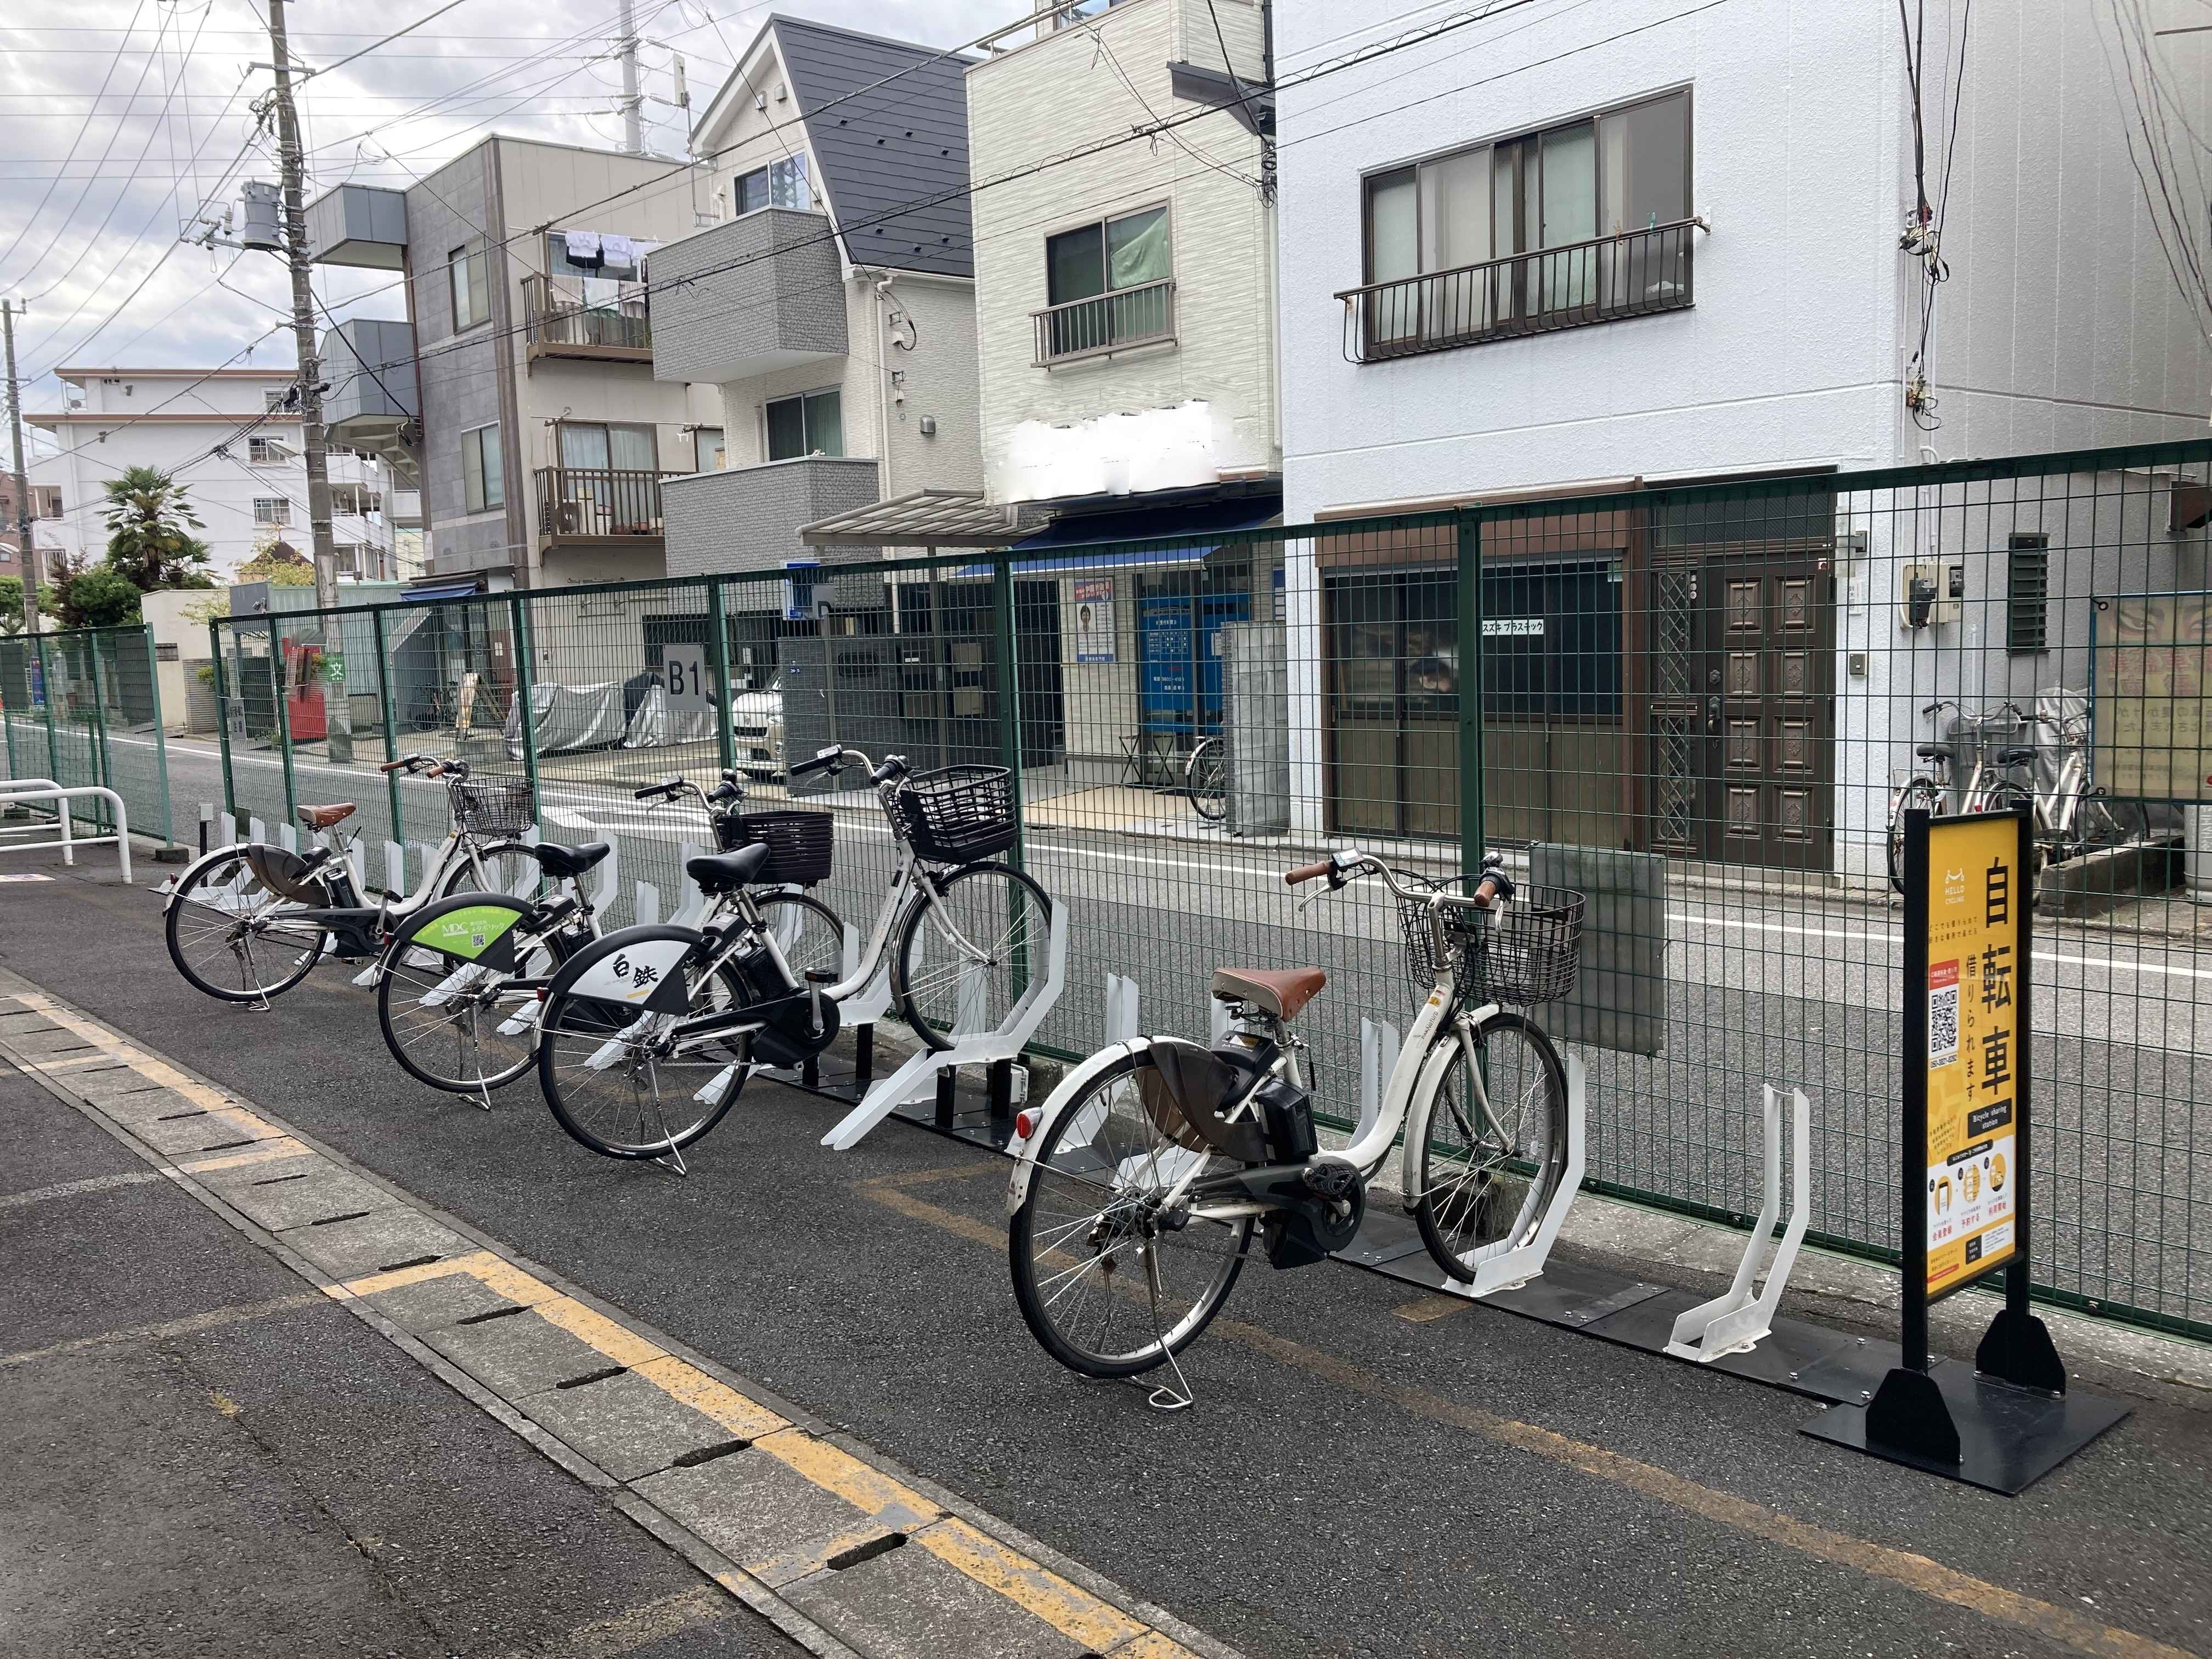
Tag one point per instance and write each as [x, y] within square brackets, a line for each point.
[1137, 1187]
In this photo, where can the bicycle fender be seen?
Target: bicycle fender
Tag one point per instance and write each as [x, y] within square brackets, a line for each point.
[636, 966]
[1061, 1100]
[1431, 1079]
[476, 927]
[185, 875]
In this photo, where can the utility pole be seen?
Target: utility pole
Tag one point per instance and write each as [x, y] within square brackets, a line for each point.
[30, 551]
[633, 104]
[310, 375]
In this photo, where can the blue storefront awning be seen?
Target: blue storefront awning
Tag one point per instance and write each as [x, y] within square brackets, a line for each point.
[1090, 538]
[438, 590]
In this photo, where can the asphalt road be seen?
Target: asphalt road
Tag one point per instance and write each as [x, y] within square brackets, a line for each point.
[1759, 988]
[1352, 1481]
[204, 1456]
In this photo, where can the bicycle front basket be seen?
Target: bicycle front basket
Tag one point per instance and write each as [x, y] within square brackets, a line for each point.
[956, 814]
[1532, 953]
[799, 844]
[493, 806]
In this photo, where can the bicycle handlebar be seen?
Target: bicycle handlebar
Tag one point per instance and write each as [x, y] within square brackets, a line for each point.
[1351, 863]
[825, 760]
[1306, 872]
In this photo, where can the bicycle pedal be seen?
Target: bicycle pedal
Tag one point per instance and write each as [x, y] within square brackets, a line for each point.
[1330, 1177]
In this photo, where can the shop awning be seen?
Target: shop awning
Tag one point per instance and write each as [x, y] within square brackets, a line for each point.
[927, 518]
[1090, 538]
[438, 591]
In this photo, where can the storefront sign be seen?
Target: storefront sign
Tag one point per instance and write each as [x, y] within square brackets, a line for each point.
[1976, 940]
[2150, 736]
[1094, 620]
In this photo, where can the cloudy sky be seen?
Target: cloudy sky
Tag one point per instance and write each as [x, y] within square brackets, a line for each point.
[121, 121]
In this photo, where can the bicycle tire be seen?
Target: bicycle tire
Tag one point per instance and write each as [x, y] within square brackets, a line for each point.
[1058, 1199]
[190, 921]
[928, 995]
[1206, 780]
[1919, 793]
[461, 1012]
[1463, 1205]
[575, 1030]
[517, 853]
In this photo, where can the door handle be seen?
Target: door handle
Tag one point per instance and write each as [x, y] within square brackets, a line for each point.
[1713, 714]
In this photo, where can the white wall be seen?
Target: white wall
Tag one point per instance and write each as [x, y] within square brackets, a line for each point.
[1063, 91]
[1783, 360]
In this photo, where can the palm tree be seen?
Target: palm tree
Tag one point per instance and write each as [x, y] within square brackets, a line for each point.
[149, 531]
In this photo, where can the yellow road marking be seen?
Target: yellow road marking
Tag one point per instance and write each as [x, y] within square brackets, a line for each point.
[1911, 1572]
[777, 1571]
[1431, 1308]
[745, 1418]
[837, 1470]
[1074, 1612]
[269, 1152]
[618, 1342]
[398, 1278]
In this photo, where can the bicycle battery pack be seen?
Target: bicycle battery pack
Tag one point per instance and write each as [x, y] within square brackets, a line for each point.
[797, 1025]
[287, 873]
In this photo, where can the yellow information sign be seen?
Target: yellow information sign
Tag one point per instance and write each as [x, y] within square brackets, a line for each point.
[1976, 907]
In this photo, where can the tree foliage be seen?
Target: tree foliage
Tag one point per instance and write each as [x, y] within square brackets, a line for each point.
[103, 596]
[279, 563]
[151, 523]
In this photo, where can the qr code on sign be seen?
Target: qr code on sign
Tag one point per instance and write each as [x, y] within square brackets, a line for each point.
[1943, 1025]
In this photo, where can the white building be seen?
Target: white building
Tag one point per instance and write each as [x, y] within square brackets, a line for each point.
[187, 422]
[1125, 306]
[1557, 252]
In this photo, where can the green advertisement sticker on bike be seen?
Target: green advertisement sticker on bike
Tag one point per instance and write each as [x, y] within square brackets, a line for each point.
[476, 933]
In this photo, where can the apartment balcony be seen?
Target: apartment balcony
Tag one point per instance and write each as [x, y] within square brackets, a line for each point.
[358, 225]
[1637, 274]
[747, 297]
[369, 366]
[607, 322]
[590, 504]
[1105, 323]
[749, 518]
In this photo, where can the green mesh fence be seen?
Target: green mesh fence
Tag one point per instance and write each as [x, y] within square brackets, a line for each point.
[1701, 705]
[83, 707]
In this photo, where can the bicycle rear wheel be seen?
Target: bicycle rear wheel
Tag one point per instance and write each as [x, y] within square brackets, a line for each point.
[1490, 1146]
[1106, 1284]
[1207, 778]
[610, 1071]
[229, 934]
[965, 959]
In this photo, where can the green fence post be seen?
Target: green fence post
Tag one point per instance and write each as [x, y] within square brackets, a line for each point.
[222, 722]
[103, 762]
[161, 742]
[525, 718]
[276, 678]
[390, 727]
[1470, 692]
[53, 741]
[725, 736]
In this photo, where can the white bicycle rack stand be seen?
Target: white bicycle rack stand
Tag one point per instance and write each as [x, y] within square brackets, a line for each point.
[21, 792]
[1506, 1265]
[1736, 1322]
[923, 1072]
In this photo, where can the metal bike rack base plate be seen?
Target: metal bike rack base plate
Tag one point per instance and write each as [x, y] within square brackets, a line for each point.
[2009, 1438]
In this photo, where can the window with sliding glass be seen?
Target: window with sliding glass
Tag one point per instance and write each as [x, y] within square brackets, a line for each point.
[1111, 285]
[810, 425]
[1582, 222]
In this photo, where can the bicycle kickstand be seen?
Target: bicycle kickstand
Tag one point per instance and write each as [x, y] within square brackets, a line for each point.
[672, 1159]
[1165, 1397]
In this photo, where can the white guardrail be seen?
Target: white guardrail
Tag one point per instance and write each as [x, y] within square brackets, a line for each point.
[21, 792]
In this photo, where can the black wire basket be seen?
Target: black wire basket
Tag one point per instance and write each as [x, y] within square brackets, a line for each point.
[799, 844]
[493, 806]
[1528, 953]
[956, 814]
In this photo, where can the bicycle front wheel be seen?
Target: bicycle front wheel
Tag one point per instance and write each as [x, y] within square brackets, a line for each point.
[1921, 794]
[1108, 1283]
[965, 958]
[1490, 1147]
[509, 867]
[233, 936]
[1207, 777]
[611, 1072]
[442, 1000]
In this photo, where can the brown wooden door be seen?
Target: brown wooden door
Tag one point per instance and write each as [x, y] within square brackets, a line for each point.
[1768, 711]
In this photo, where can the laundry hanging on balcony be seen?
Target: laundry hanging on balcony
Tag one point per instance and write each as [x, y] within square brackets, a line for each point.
[619, 253]
[584, 248]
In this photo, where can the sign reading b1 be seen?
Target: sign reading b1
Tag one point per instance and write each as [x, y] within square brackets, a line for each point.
[685, 677]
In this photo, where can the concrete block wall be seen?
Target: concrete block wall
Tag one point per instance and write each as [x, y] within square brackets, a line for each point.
[782, 295]
[748, 518]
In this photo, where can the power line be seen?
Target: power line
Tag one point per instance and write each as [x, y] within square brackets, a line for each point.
[114, 63]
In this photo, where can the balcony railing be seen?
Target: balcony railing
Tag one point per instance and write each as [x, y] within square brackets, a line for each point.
[1105, 323]
[1631, 274]
[564, 318]
[596, 503]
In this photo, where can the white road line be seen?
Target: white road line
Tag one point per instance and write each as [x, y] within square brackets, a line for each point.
[1885, 939]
